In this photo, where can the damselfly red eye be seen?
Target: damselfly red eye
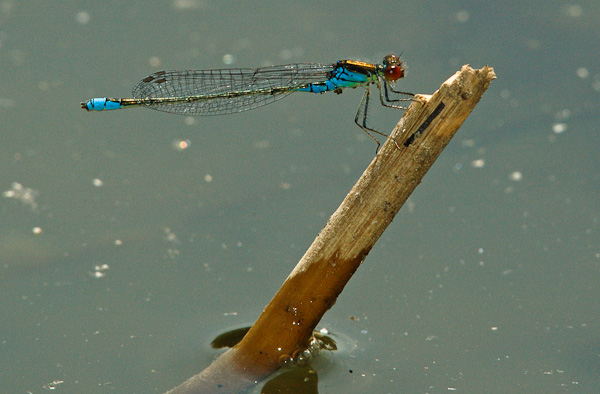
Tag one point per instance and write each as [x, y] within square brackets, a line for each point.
[394, 73]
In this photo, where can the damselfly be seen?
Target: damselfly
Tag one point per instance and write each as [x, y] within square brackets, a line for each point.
[226, 91]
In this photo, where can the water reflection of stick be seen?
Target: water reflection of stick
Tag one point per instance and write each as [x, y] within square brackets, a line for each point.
[286, 324]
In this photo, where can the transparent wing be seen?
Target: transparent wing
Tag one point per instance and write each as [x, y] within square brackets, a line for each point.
[225, 91]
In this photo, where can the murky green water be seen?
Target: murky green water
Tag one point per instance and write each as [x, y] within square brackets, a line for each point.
[128, 256]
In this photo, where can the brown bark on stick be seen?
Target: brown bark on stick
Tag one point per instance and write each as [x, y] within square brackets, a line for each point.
[287, 323]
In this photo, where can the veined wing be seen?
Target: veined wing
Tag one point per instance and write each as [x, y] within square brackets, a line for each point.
[225, 91]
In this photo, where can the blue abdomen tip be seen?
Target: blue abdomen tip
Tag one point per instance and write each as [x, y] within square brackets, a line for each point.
[101, 104]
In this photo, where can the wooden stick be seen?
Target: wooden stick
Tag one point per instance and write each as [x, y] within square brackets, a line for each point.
[286, 324]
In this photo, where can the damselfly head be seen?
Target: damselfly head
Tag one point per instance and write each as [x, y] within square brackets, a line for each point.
[393, 68]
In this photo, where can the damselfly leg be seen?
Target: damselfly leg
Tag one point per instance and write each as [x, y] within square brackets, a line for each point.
[361, 115]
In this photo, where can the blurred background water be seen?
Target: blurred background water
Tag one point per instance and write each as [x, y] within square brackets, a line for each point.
[130, 239]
